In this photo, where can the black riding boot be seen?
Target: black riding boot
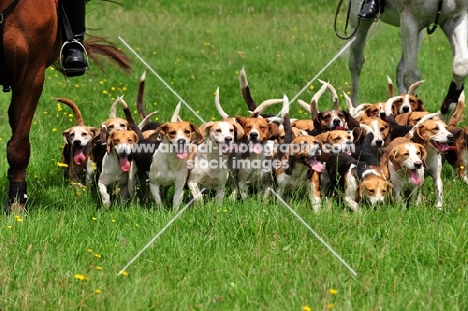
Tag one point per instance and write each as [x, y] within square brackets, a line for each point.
[371, 9]
[73, 58]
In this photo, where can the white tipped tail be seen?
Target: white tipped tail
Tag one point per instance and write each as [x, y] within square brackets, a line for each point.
[221, 112]
[175, 115]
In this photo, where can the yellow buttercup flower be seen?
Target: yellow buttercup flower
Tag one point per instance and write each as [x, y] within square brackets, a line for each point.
[124, 273]
[99, 268]
[97, 291]
[62, 165]
[333, 291]
[97, 255]
[306, 308]
[330, 306]
[80, 277]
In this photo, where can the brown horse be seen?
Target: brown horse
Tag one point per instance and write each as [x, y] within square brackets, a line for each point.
[31, 42]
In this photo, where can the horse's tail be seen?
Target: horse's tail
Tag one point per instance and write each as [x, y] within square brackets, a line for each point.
[76, 111]
[99, 48]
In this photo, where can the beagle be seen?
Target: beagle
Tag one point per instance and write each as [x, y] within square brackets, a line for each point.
[301, 169]
[328, 120]
[303, 125]
[169, 165]
[252, 164]
[358, 181]
[77, 145]
[116, 163]
[410, 118]
[408, 102]
[404, 162]
[458, 157]
[209, 166]
[337, 141]
[437, 140]
[99, 149]
[379, 128]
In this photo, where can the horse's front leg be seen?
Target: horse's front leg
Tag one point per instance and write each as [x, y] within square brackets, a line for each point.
[356, 59]
[21, 112]
[456, 32]
[412, 73]
[411, 38]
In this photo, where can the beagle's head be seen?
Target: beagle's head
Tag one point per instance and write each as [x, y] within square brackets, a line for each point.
[179, 135]
[122, 142]
[434, 134]
[331, 120]
[303, 125]
[306, 149]
[379, 128]
[410, 118]
[376, 110]
[222, 133]
[410, 158]
[407, 103]
[337, 141]
[113, 124]
[258, 131]
[374, 189]
[79, 137]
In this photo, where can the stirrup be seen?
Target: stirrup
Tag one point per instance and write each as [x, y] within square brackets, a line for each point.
[70, 72]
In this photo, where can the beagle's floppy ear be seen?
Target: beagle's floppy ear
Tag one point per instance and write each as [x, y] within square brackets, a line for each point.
[317, 123]
[135, 137]
[66, 134]
[390, 191]
[403, 119]
[157, 132]
[350, 121]
[206, 128]
[93, 130]
[392, 157]
[423, 154]
[238, 131]
[110, 145]
[198, 135]
[241, 120]
[359, 134]
[417, 137]
[420, 106]
[273, 131]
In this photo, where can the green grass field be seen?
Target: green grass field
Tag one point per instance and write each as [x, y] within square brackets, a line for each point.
[65, 253]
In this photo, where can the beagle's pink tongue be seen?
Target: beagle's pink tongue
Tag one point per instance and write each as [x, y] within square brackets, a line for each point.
[124, 163]
[415, 177]
[444, 147]
[256, 148]
[181, 155]
[316, 165]
[79, 157]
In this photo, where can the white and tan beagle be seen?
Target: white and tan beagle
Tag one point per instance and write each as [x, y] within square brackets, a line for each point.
[301, 170]
[169, 165]
[116, 163]
[358, 182]
[253, 161]
[437, 140]
[209, 167]
[405, 162]
[78, 141]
